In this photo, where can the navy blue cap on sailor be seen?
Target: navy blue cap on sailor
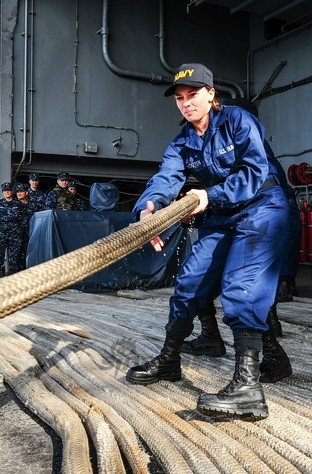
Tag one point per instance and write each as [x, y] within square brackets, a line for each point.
[63, 175]
[72, 184]
[34, 176]
[6, 186]
[193, 74]
[21, 187]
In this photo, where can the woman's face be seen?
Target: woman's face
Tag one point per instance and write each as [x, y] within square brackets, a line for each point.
[194, 103]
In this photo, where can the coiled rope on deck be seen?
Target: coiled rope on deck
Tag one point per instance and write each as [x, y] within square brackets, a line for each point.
[33, 284]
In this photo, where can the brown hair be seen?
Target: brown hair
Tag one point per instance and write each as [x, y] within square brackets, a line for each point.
[215, 105]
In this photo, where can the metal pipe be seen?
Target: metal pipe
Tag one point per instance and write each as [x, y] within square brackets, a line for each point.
[264, 46]
[24, 87]
[240, 6]
[8, 20]
[281, 10]
[31, 83]
[274, 74]
[151, 77]
[161, 36]
[190, 4]
[228, 85]
[85, 125]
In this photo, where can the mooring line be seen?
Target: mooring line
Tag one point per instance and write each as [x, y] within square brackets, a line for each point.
[33, 284]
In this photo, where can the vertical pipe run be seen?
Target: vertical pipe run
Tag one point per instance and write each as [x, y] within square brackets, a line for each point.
[25, 81]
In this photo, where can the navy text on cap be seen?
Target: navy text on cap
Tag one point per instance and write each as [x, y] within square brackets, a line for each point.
[193, 74]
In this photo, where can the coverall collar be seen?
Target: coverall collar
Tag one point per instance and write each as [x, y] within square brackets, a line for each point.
[189, 137]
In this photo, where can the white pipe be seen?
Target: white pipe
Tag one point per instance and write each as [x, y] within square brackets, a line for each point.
[25, 80]
[31, 83]
[24, 129]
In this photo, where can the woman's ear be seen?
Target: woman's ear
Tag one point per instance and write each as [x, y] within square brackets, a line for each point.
[211, 93]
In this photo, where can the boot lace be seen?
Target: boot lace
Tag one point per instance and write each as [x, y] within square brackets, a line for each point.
[152, 364]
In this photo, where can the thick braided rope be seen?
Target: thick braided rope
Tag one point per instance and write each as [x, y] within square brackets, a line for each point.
[33, 284]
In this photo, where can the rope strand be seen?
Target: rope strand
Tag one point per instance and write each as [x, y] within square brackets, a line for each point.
[33, 284]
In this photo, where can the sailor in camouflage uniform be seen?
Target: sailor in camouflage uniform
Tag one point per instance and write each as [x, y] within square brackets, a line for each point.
[10, 238]
[60, 197]
[28, 210]
[79, 204]
[34, 193]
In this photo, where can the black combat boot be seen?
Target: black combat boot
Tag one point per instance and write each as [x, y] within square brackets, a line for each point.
[273, 322]
[287, 289]
[275, 364]
[209, 342]
[165, 366]
[243, 395]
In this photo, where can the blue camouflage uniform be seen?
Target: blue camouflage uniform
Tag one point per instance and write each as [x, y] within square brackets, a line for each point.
[79, 204]
[38, 198]
[290, 261]
[241, 241]
[10, 238]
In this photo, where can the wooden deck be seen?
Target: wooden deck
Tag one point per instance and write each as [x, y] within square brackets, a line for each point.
[69, 353]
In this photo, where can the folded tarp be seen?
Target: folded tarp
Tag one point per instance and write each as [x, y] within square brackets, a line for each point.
[55, 232]
[103, 197]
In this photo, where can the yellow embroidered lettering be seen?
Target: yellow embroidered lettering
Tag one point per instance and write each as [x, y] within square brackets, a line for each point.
[182, 74]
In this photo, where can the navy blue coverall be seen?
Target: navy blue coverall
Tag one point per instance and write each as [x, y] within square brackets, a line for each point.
[241, 242]
[290, 261]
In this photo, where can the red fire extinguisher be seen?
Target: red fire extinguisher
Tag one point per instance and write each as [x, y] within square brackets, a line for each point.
[309, 234]
[303, 251]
